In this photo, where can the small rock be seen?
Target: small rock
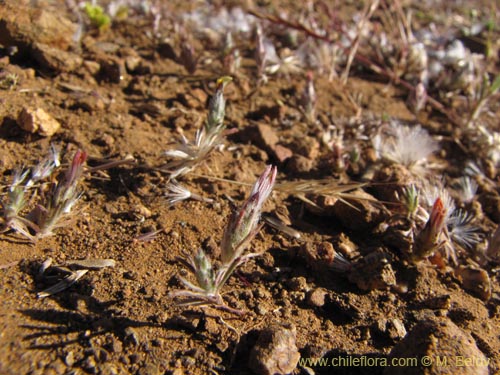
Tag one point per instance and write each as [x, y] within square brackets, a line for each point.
[440, 348]
[373, 271]
[112, 70]
[212, 327]
[92, 67]
[131, 336]
[392, 178]
[111, 369]
[396, 329]
[307, 147]
[275, 352]
[132, 63]
[299, 164]
[23, 25]
[142, 211]
[297, 284]
[38, 121]
[358, 214]
[265, 136]
[69, 359]
[281, 153]
[90, 365]
[438, 303]
[113, 344]
[89, 103]
[316, 297]
[149, 369]
[475, 280]
[56, 59]
[196, 98]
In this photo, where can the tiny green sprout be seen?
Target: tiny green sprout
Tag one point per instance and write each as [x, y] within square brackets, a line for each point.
[97, 16]
[410, 199]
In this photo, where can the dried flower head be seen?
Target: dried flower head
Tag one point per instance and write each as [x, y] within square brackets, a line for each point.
[462, 231]
[467, 189]
[405, 145]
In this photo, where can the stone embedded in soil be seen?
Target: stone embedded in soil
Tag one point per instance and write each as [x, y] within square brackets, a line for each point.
[306, 146]
[40, 34]
[320, 256]
[112, 69]
[391, 179]
[393, 328]
[23, 25]
[55, 59]
[299, 164]
[265, 136]
[196, 98]
[275, 352]
[438, 340]
[38, 121]
[373, 271]
[475, 280]
[316, 297]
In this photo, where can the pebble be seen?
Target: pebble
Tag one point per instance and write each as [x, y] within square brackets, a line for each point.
[275, 352]
[358, 214]
[69, 359]
[38, 121]
[299, 164]
[394, 328]
[316, 297]
[149, 369]
[297, 284]
[265, 136]
[441, 339]
[475, 280]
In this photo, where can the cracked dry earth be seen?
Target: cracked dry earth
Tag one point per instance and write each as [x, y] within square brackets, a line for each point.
[120, 95]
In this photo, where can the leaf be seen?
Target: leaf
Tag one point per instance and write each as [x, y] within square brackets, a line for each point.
[495, 85]
[63, 284]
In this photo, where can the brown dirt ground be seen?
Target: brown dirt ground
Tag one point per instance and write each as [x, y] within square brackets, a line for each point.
[119, 320]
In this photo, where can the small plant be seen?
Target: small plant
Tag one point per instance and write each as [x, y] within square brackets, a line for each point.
[61, 198]
[409, 198]
[242, 228]
[98, 18]
[190, 154]
[55, 204]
